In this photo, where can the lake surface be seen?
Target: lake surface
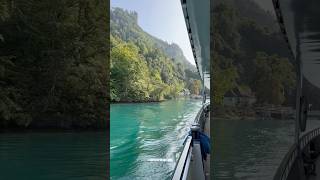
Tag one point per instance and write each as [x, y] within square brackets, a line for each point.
[53, 156]
[251, 149]
[141, 133]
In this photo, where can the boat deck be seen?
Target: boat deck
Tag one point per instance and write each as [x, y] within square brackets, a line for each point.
[317, 162]
[191, 164]
[207, 162]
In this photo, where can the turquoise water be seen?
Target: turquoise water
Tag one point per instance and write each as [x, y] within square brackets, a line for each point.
[53, 156]
[141, 132]
[251, 149]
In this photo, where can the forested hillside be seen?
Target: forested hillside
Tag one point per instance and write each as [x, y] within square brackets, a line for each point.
[250, 54]
[53, 64]
[145, 68]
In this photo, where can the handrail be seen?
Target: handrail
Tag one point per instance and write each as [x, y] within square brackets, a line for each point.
[200, 113]
[182, 162]
[181, 169]
[286, 164]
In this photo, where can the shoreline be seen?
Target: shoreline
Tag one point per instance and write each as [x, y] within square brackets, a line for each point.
[49, 127]
[136, 102]
[251, 113]
[141, 102]
[48, 130]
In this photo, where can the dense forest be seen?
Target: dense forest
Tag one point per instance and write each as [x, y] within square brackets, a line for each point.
[53, 64]
[144, 68]
[250, 54]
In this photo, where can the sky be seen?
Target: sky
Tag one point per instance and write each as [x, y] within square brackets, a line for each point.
[162, 19]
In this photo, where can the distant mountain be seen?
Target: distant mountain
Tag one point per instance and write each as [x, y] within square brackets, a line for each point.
[131, 31]
[145, 68]
[174, 51]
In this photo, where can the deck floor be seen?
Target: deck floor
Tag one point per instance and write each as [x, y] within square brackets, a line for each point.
[207, 162]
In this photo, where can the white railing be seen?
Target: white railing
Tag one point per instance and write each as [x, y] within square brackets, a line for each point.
[286, 164]
[182, 167]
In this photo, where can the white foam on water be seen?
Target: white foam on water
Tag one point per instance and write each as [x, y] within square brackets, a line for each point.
[159, 160]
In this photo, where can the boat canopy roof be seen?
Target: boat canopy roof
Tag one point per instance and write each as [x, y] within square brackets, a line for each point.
[299, 22]
[197, 17]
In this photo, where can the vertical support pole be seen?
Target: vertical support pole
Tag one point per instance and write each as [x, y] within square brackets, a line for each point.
[298, 112]
[204, 98]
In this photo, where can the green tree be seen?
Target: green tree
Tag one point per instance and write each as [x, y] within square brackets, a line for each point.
[224, 77]
[144, 68]
[129, 73]
[196, 86]
[53, 61]
[274, 75]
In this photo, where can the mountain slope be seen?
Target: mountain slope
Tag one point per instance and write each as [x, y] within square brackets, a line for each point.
[143, 67]
[252, 10]
[131, 31]
[250, 53]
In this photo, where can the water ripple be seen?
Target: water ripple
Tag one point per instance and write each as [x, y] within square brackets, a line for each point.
[158, 130]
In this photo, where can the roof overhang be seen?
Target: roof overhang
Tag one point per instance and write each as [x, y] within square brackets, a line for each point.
[197, 17]
[299, 22]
